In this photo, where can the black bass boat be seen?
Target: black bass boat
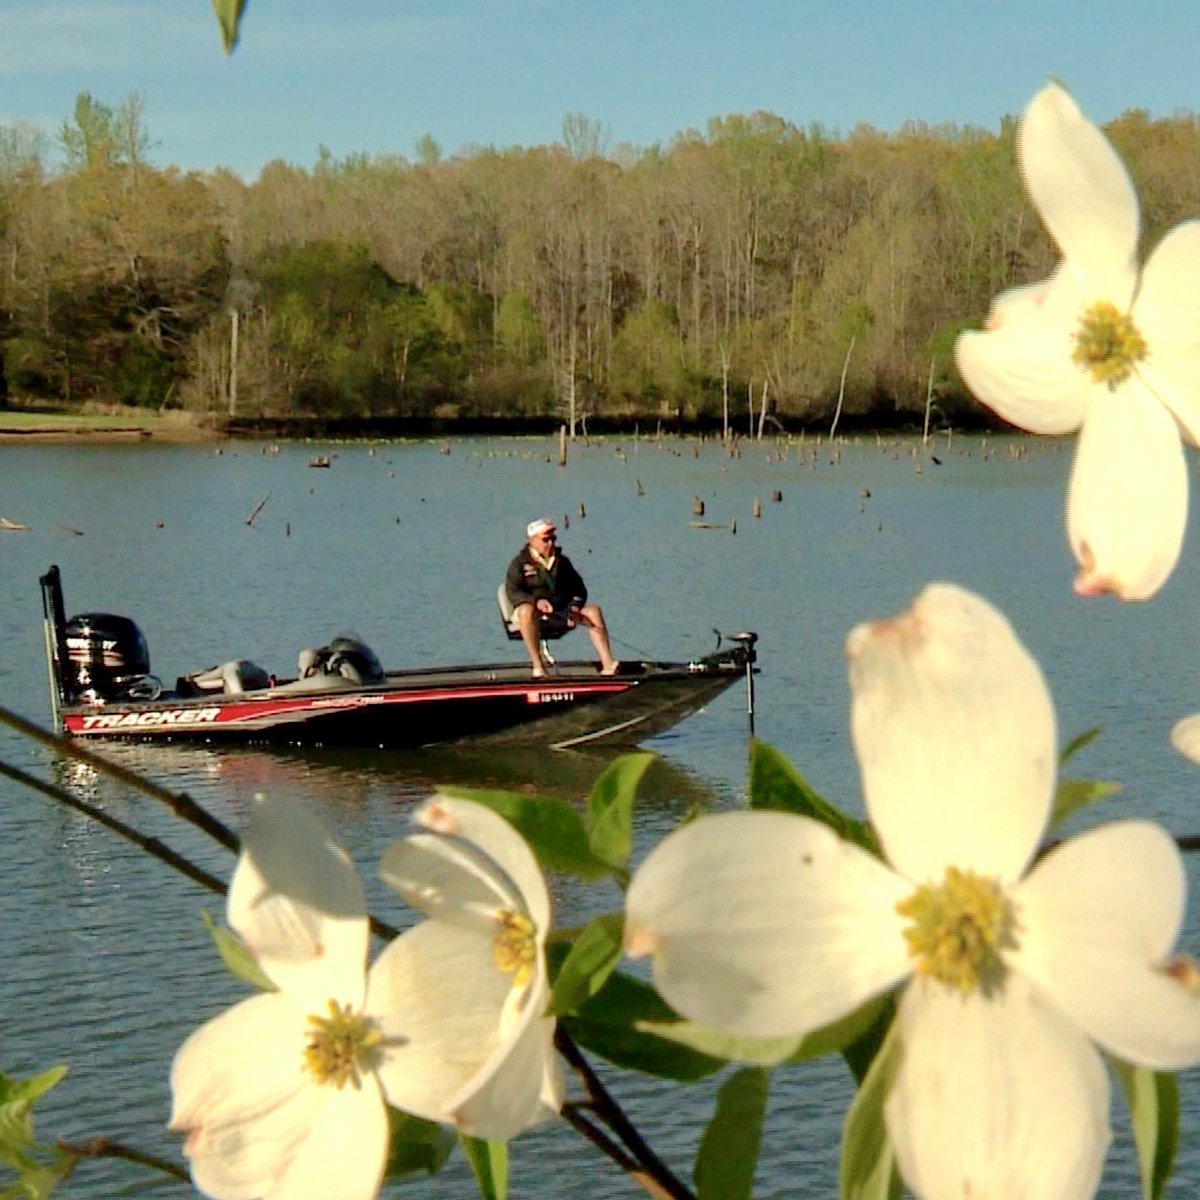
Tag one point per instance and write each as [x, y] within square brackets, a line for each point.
[101, 689]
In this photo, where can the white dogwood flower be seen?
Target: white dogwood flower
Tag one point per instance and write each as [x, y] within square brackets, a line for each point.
[1012, 970]
[284, 1095]
[479, 966]
[1102, 347]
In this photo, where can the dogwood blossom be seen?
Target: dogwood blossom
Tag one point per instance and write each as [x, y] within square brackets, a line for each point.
[479, 966]
[284, 1095]
[1012, 969]
[1102, 348]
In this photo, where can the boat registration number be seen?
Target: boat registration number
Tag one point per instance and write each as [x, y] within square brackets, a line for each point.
[550, 697]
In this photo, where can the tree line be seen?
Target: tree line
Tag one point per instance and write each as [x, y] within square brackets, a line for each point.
[754, 266]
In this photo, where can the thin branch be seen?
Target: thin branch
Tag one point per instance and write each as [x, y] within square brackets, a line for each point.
[574, 1115]
[611, 1113]
[102, 1147]
[152, 846]
[179, 803]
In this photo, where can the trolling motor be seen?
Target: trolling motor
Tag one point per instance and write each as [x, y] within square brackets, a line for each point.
[746, 653]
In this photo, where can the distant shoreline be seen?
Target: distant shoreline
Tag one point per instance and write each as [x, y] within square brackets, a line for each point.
[32, 427]
[115, 435]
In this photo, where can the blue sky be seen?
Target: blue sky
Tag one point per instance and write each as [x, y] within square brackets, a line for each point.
[373, 76]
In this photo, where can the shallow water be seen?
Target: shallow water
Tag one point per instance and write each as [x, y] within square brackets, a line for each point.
[107, 966]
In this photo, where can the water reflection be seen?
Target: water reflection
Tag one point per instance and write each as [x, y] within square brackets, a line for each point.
[353, 778]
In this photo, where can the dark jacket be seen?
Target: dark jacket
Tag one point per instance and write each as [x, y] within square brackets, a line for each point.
[527, 581]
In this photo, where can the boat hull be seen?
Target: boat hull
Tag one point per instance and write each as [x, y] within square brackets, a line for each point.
[500, 705]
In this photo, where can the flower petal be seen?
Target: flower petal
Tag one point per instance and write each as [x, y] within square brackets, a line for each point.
[492, 834]
[998, 1097]
[240, 1093]
[449, 880]
[1083, 193]
[1099, 920]
[765, 924]
[1167, 312]
[1185, 737]
[1020, 366]
[521, 1084]
[1128, 496]
[955, 735]
[439, 996]
[345, 1153]
[297, 901]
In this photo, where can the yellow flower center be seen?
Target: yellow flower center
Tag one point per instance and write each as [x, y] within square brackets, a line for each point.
[1108, 344]
[340, 1046]
[959, 929]
[515, 948]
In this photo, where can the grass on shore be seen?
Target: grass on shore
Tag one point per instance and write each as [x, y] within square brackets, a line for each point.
[18, 424]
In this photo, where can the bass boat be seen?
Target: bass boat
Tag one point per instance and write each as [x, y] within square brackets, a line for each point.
[101, 689]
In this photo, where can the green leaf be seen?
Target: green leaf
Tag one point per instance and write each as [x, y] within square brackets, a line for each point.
[236, 956]
[417, 1145]
[1153, 1102]
[589, 963]
[489, 1162]
[868, 1161]
[17, 1098]
[554, 830]
[18, 1149]
[37, 1183]
[229, 17]
[1078, 742]
[731, 1047]
[728, 1152]
[842, 1035]
[864, 1033]
[776, 785]
[606, 1024]
[610, 809]
[1074, 794]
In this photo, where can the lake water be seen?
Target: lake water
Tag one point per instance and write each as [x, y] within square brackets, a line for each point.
[105, 962]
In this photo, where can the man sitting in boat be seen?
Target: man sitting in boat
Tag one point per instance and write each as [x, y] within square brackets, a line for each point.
[545, 590]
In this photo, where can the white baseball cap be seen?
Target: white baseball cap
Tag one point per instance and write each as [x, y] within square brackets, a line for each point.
[541, 525]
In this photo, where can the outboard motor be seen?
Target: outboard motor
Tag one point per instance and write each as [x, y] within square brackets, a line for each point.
[107, 659]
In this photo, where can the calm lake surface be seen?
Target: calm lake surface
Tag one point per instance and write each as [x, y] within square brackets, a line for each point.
[106, 965]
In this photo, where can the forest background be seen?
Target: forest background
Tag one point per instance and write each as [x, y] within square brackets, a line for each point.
[755, 267]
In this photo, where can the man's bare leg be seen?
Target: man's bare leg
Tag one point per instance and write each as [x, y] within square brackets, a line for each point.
[530, 627]
[593, 618]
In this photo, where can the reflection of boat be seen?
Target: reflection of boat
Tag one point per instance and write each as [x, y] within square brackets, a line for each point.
[101, 688]
[347, 778]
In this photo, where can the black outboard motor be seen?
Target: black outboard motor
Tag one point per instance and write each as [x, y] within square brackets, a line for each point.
[107, 659]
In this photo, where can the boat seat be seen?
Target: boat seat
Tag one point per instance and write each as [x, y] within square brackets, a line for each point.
[228, 678]
[552, 625]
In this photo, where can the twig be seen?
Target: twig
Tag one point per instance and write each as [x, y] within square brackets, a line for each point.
[102, 1147]
[574, 1115]
[179, 803]
[611, 1113]
[257, 509]
[152, 846]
